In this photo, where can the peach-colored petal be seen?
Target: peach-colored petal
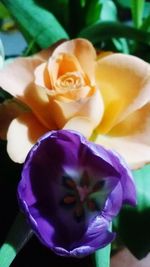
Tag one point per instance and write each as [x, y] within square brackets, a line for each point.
[81, 124]
[42, 77]
[62, 64]
[136, 154]
[16, 76]
[130, 138]
[124, 82]
[137, 124]
[38, 101]
[9, 110]
[44, 54]
[74, 94]
[23, 132]
[83, 50]
[124, 258]
[89, 107]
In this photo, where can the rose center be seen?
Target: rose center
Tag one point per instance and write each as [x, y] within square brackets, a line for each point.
[70, 80]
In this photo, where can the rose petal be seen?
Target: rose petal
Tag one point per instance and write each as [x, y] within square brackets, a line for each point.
[80, 124]
[16, 76]
[131, 138]
[9, 110]
[38, 101]
[134, 153]
[124, 82]
[42, 77]
[90, 108]
[61, 64]
[44, 54]
[23, 132]
[140, 125]
[83, 51]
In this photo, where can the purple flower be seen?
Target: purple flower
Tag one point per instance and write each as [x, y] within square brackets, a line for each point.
[70, 191]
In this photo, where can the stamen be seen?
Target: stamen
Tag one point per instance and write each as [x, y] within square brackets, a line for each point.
[68, 182]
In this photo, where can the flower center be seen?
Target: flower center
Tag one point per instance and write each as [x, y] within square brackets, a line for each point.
[82, 196]
[70, 80]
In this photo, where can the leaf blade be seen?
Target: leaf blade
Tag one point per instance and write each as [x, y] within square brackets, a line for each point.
[45, 29]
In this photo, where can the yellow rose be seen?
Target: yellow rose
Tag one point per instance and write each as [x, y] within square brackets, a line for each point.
[68, 86]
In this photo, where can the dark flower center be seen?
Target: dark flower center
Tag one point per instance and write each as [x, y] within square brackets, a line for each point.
[83, 196]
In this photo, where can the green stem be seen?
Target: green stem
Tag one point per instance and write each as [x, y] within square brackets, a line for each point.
[18, 236]
[102, 256]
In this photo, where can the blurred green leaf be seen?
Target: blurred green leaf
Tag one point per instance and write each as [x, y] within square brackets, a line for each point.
[93, 11]
[109, 11]
[107, 30]
[146, 24]
[59, 8]
[100, 10]
[146, 11]
[3, 12]
[37, 24]
[124, 3]
[133, 224]
[121, 45]
[137, 7]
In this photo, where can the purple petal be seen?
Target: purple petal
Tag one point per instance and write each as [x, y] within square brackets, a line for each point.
[52, 176]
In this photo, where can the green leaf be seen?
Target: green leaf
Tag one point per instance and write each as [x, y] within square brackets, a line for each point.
[107, 30]
[3, 12]
[146, 11]
[36, 23]
[102, 256]
[100, 10]
[56, 7]
[93, 12]
[18, 236]
[125, 3]
[137, 7]
[121, 45]
[133, 224]
[146, 24]
[109, 11]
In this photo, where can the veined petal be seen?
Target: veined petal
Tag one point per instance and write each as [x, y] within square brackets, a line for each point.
[9, 110]
[124, 82]
[16, 76]
[23, 132]
[83, 50]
